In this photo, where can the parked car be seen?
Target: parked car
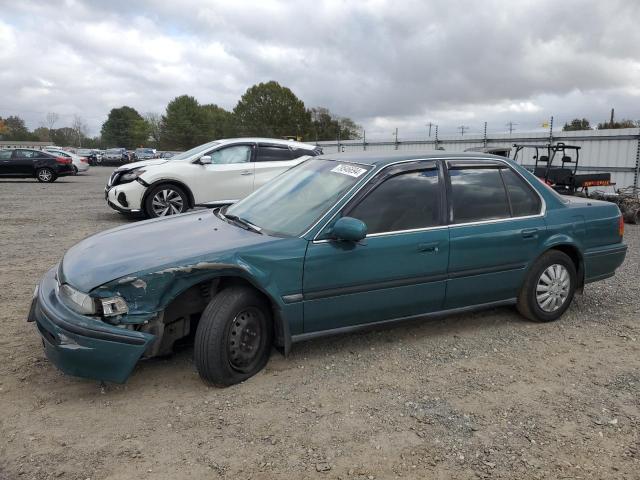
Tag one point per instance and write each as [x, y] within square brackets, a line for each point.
[219, 172]
[25, 163]
[167, 154]
[338, 243]
[115, 156]
[94, 156]
[79, 163]
[144, 154]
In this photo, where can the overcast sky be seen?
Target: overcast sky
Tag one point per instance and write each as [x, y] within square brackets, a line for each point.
[386, 64]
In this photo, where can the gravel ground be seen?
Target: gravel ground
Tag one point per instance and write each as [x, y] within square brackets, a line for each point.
[483, 395]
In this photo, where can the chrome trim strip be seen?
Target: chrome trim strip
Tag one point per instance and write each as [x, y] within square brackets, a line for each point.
[365, 326]
[543, 209]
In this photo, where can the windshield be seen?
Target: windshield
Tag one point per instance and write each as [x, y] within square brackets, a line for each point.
[290, 204]
[114, 150]
[200, 149]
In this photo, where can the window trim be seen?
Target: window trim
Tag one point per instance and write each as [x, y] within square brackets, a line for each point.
[499, 164]
[380, 179]
[441, 161]
[273, 145]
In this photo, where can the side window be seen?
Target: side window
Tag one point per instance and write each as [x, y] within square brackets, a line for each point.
[403, 202]
[524, 200]
[233, 154]
[5, 154]
[477, 194]
[26, 154]
[301, 152]
[271, 153]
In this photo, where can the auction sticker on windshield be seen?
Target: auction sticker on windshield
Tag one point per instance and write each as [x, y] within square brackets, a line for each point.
[349, 170]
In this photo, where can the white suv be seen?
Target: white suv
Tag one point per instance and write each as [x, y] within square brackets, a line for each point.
[216, 173]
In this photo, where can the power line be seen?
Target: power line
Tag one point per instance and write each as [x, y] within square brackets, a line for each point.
[511, 125]
[462, 129]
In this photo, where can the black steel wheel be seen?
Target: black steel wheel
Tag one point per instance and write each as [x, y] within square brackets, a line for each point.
[234, 337]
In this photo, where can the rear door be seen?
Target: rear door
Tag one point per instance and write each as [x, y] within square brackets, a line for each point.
[23, 161]
[273, 159]
[496, 230]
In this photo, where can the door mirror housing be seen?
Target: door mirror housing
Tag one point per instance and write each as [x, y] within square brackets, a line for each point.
[205, 160]
[349, 229]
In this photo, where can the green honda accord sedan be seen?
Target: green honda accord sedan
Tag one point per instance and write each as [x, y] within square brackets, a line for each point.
[340, 242]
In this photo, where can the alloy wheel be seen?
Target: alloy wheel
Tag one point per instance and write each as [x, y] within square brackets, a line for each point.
[167, 202]
[552, 289]
[45, 175]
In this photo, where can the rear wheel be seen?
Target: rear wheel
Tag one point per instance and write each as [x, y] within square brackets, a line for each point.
[45, 175]
[549, 287]
[75, 170]
[233, 340]
[164, 200]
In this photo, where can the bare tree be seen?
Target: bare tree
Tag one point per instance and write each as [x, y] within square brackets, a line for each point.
[79, 127]
[51, 119]
[154, 120]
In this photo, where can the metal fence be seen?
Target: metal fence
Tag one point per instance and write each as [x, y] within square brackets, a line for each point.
[615, 151]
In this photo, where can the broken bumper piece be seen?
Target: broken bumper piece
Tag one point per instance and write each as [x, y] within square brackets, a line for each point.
[83, 346]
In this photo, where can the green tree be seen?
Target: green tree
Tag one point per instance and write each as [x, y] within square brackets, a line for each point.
[43, 134]
[154, 121]
[327, 126]
[218, 122]
[125, 127]
[63, 137]
[271, 110]
[577, 124]
[14, 128]
[621, 124]
[183, 124]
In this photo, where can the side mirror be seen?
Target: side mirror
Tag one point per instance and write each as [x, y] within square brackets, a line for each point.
[349, 229]
[204, 160]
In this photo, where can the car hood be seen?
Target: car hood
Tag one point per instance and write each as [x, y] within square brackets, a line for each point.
[152, 245]
[142, 163]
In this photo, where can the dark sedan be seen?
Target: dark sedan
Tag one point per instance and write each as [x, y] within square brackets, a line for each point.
[25, 163]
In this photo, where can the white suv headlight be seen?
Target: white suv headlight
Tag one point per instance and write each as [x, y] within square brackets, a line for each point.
[76, 300]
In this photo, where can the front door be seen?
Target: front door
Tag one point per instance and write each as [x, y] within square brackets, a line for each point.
[228, 178]
[398, 270]
[6, 163]
[496, 229]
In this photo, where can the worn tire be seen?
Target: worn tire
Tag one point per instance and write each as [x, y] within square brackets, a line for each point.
[216, 333]
[148, 202]
[528, 305]
[45, 175]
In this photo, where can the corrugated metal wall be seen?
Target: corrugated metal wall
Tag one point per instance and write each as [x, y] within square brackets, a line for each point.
[614, 151]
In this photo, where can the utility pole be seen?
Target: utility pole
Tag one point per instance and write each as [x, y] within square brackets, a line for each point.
[436, 144]
[396, 136]
[462, 129]
[551, 129]
[611, 121]
[511, 125]
[485, 135]
[429, 125]
[364, 139]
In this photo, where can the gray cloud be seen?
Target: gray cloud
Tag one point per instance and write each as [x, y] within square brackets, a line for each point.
[381, 62]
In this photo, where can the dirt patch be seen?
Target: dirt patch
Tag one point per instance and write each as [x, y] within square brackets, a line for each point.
[483, 395]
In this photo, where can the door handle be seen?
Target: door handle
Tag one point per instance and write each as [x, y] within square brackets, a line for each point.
[246, 172]
[529, 233]
[432, 247]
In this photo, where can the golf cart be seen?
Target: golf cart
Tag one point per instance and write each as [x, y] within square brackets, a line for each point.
[557, 165]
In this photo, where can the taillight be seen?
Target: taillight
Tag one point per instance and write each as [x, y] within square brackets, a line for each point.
[63, 160]
[620, 226]
[84, 160]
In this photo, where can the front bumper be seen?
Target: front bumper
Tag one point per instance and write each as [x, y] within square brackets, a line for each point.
[83, 346]
[126, 197]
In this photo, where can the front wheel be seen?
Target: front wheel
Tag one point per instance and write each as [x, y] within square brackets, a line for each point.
[233, 340]
[75, 170]
[164, 200]
[549, 287]
[45, 175]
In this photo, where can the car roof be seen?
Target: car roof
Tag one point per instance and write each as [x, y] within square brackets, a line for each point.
[385, 158]
[279, 141]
